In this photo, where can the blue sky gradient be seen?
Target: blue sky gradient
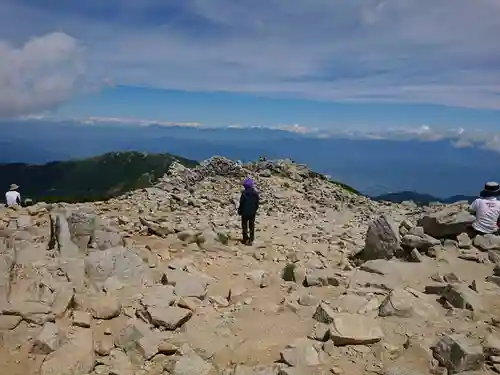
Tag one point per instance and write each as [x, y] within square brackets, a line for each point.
[337, 64]
[226, 109]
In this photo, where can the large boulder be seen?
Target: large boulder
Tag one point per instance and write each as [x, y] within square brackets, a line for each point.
[382, 240]
[118, 262]
[446, 223]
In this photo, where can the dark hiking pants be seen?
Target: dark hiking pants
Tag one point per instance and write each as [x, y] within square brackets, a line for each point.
[248, 228]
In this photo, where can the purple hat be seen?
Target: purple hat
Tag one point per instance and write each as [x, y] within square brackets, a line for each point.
[248, 183]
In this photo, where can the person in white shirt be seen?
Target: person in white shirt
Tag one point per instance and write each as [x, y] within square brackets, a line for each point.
[12, 197]
[487, 210]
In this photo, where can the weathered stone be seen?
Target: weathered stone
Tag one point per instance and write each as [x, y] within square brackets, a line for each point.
[398, 303]
[487, 242]
[48, 340]
[462, 297]
[190, 286]
[382, 240]
[322, 277]
[104, 345]
[104, 306]
[446, 223]
[491, 346]
[120, 363]
[354, 329]
[169, 317]
[415, 256]
[148, 346]
[82, 319]
[324, 313]
[458, 353]
[191, 363]
[9, 322]
[301, 353]
[64, 298]
[419, 242]
[158, 296]
[107, 239]
[464, 241]
[73, 358]
[119, 262]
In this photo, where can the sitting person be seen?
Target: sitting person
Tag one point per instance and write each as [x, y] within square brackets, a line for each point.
[12, 197]
[487, 210]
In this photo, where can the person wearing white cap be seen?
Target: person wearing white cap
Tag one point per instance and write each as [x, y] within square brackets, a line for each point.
[487, 210]
[12, 197]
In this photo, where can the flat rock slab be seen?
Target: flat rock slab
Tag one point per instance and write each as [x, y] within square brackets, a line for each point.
[458, 353]
[9, 322]
[354, 329]
[73, 358]
[169, 317]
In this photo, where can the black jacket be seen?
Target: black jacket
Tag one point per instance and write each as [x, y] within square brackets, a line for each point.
[249, 203]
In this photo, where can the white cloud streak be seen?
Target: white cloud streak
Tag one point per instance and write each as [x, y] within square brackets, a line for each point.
[410, 51]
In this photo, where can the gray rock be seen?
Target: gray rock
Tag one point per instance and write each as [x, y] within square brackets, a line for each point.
[300, 354]
[458, 353]
[158, 296]
[104, 306]
[322, 277]
[191, 363]
[82, 319]
[120, 262]
[190, 286]
[464, 241]
[324, 313]
[462, 297]
[106, 239]
[398, 303]
[491, 346]
[48, 340]
[7, 261]
[9, 322]
[421, 242]
[382, 240]
[74, 357]
[120, 363]
[354, 329]
[487, 242]
[446, 223]
[169, 317]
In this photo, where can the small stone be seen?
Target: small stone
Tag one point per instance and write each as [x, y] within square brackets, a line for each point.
[165, 347]
[324, 313]
[308, 300]
[170, 317]
[82, 319]
[354, 329]
[464, 241]
[48, 340]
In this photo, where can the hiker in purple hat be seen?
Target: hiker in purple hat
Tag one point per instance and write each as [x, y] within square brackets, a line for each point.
[249, 204]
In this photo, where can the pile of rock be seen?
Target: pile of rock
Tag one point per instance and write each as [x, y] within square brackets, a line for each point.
[157, 282]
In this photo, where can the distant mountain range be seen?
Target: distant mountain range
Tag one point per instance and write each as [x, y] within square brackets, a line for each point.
[372, 166]
[421, 199]
[96, 178]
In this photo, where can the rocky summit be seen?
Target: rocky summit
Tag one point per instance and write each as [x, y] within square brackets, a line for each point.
[157, 282]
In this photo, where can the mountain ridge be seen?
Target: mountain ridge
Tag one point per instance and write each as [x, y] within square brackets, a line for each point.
[97, 178]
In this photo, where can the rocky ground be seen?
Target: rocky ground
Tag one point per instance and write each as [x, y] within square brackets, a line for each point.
[157, 282]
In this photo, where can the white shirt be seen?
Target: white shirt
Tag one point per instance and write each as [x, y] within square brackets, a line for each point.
[11, 197]
[487, 212]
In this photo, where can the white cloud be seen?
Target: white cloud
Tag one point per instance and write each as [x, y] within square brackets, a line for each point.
[41, 74]
[95, 120]
[440, 52]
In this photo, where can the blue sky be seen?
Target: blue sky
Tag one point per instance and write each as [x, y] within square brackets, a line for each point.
[331, 64]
